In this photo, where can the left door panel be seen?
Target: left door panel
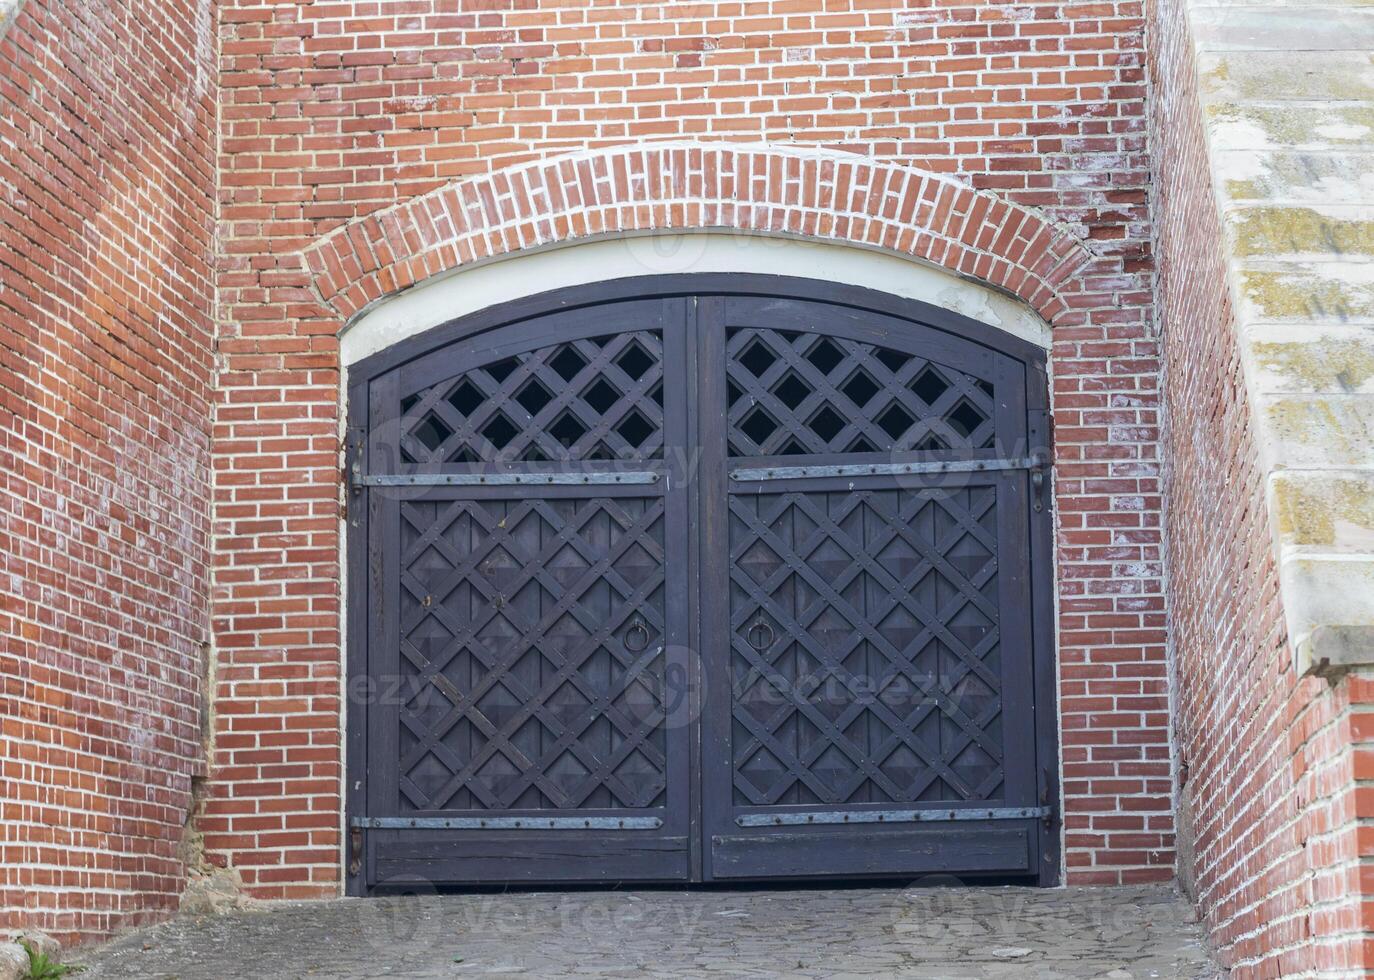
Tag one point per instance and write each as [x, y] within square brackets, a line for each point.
[527, 605]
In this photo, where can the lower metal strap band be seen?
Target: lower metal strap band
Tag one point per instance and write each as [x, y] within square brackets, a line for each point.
[890, 816]
[507, 823]
[749, 475]
[637, 478]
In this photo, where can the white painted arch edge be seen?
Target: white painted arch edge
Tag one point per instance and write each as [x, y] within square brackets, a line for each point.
[485, 285]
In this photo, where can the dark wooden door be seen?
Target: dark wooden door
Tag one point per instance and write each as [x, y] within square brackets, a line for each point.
[868, 561]
[700, 578]
[525, 617]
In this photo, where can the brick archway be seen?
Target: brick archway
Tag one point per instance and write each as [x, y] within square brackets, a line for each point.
[1110, 638]
[771, 190]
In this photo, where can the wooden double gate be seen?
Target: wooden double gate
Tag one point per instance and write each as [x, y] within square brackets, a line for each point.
[700, 578]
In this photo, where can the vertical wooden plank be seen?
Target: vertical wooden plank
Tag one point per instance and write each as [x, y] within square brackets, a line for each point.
[690, 313]
[1040, 437]
[677, 577]
[1014, 581]
[1017, 638]
[715, 581]
[356, 702]
[384, 578]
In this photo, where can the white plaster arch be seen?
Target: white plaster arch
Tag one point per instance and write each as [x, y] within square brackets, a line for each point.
[483, 285]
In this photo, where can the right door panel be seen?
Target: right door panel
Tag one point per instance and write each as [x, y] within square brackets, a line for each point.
[867, 626]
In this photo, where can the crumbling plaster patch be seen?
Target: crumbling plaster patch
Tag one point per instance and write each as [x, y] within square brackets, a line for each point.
[1288, 98]
[9, 9]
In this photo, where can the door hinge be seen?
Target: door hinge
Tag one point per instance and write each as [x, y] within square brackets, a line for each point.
[353, 460]
[355, 850]
[1039, 470]
[1046, 796]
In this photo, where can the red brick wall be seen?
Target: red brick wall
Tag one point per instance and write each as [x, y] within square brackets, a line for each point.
[1267, 802]
[333, 111]
[106, 231]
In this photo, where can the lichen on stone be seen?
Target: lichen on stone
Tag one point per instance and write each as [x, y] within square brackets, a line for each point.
[1277, 230]
[1318, 364]
[1325, 511]
[1293, 293]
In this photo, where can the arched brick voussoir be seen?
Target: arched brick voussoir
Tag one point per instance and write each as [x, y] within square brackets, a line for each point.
[677, 187]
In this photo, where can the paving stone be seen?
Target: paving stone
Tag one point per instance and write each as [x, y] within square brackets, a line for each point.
[823, 933]
[14, 961]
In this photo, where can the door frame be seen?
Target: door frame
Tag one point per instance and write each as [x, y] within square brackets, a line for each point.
[360, 569]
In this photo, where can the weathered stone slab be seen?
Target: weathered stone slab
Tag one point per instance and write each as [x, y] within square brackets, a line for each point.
[1317, 431]
[1306, 292]
[1282, 27]
[862, 932]
[1286, 76]
[1299, 177]
[1323, 512]
[1287, 92]
[1300, 357]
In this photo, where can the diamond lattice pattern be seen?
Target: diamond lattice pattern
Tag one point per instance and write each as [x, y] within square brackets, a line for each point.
[521, 688]
[793, 394]
[865, 654]
[594, 399]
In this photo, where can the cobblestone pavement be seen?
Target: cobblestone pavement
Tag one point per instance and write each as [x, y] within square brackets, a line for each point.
[860, 932]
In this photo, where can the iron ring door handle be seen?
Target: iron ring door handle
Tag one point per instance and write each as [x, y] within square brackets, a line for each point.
[637, 627]
[758, 629]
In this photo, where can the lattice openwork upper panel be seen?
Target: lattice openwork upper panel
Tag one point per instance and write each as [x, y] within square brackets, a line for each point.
[598, 398]
[793, 393]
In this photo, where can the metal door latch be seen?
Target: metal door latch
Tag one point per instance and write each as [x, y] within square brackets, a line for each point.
[639, 630]
[353, 459]
[355, 849]
[764, 633]
[1040, 466]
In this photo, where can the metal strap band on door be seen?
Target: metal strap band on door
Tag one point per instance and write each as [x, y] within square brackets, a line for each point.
[507, 823]
[888, 469]
[506, 479]
[892, 816]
